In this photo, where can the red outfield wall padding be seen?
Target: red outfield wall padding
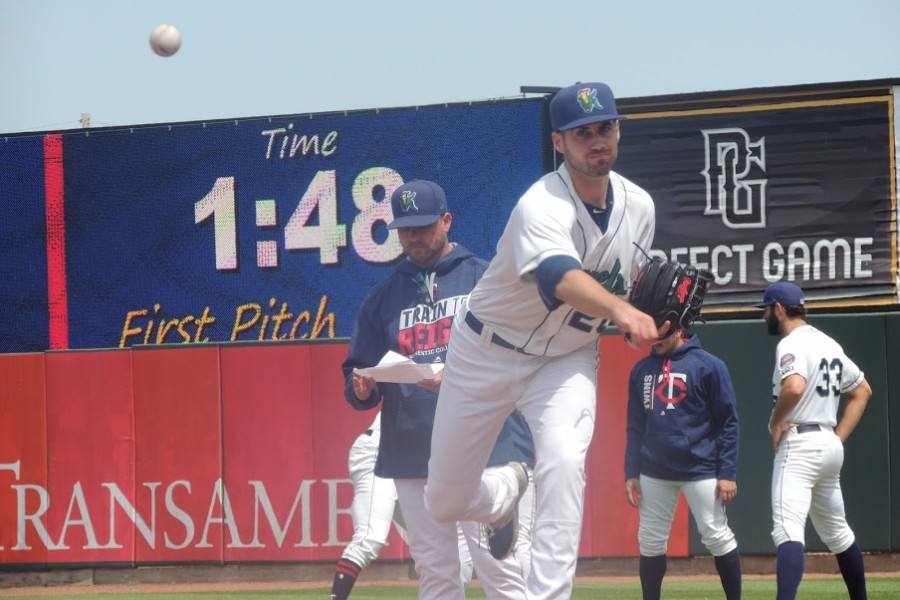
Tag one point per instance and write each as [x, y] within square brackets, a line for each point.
[23, 456]
[90, 449]
[286, 458]
[222, 453]
[178, 453]
[268, 462]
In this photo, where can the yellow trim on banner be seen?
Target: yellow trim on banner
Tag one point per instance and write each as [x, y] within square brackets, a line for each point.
[759, 108]
[893, 159]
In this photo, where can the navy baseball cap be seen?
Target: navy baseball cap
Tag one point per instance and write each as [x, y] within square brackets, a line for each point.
[784, 293]
[581, 104]
[417, 204]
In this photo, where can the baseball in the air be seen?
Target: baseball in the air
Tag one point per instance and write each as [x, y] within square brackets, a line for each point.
[165, 40]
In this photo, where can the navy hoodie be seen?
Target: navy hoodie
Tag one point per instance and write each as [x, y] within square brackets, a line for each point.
[682, 417]
[410, 313]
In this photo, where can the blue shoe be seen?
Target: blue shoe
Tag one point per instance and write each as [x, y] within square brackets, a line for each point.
[502, 534]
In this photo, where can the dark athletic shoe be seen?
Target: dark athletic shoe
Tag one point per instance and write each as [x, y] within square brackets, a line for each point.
[502, 534]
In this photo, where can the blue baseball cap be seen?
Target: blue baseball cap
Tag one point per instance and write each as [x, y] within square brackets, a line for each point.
[417, 204]
[581, 104]
[784, 293]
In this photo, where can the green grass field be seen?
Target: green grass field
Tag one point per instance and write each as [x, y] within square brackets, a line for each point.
[880, 588]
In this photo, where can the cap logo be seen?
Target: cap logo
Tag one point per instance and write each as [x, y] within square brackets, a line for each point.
[587, 99]
[408, 201]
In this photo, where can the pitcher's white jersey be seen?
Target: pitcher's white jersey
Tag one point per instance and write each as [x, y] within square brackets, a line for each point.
[828, 372]
[551, 220]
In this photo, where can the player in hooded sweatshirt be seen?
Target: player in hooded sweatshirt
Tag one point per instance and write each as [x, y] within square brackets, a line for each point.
[682, 437]
[411, 312]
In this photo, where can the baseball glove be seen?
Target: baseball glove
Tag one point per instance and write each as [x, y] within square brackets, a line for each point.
[670, 291]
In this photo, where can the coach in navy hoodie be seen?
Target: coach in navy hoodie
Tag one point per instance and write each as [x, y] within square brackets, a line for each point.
[682, 437]
[410, 313]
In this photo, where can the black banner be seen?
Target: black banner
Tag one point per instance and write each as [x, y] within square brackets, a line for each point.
[800, 191]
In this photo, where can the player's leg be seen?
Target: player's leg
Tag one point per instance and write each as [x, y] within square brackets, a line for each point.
[794, 474]
[374, 501]
[526, 527]
[657, 509]
[503, 578]
[829, 518]
[712, 523]
[500, 579]
[853, 570]
[728, 566]
[432, 545]
[399, 523]
[478, 393]
[467, 566]
[559, 405]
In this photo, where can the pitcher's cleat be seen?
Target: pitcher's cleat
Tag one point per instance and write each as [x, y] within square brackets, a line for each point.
[502, 534]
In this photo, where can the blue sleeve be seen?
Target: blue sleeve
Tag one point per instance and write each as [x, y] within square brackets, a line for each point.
[725, 419]
[549, 273]
[634, 432]
[368, 344]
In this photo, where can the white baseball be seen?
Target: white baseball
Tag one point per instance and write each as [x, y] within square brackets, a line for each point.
[165, 40]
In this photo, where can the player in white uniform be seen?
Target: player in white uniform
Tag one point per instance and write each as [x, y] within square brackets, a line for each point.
[373, 510]
[811, 373]
[528, 338]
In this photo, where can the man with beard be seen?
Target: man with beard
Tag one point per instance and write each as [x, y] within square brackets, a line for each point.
[527, 339]
[811, 374]
[410, 313]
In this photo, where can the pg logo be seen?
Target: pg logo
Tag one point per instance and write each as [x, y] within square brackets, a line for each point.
[735, 186]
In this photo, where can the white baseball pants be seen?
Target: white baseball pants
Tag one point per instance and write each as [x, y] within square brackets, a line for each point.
[806, 480]
[658, 503]
[374, 502]
[482, 384]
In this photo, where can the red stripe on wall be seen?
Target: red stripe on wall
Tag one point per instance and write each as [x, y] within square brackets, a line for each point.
[57, 296]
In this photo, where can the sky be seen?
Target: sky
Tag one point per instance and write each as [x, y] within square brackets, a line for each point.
[60, 59]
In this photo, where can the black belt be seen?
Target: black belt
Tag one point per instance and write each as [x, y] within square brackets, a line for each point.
[477, 326]
[807, 427]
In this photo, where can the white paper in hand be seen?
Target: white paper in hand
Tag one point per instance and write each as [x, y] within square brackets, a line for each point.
[396, 368]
